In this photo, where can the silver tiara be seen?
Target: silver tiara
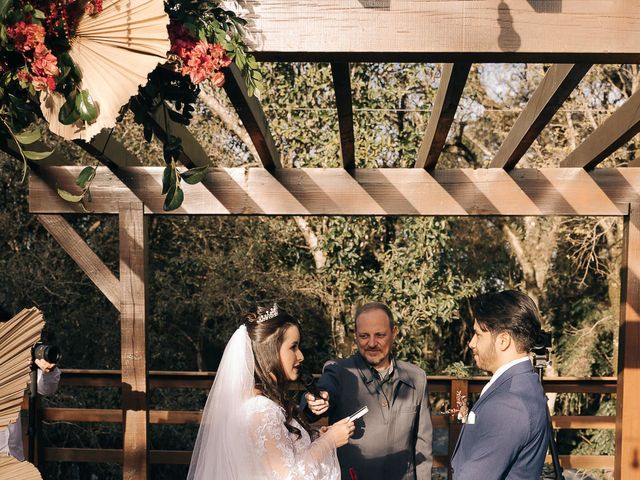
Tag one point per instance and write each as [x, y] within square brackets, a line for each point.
[267, 314]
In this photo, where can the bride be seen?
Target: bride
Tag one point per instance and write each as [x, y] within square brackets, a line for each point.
[250, 428]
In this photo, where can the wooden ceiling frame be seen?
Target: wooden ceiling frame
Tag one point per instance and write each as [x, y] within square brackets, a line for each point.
[456, 32]
[453, 78]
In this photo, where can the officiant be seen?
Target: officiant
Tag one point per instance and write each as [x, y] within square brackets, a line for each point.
[393, 440]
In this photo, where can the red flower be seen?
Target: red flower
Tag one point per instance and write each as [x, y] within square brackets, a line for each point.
[44, 62]
[217, 79]
[44, 83]
[26, 35]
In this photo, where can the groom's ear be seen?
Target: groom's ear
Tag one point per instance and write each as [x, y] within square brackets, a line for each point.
[503, 341]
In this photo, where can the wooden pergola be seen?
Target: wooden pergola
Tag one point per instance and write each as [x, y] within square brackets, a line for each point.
[569, 34]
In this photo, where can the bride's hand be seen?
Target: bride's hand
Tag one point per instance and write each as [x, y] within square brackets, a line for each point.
[341, 431]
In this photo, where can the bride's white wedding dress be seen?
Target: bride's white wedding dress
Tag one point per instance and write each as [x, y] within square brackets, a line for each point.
[242, 436]
[284, 455]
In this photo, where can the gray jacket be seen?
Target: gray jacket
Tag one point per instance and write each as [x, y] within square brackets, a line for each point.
[389, 443]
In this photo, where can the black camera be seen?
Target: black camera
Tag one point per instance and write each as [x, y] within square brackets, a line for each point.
[48, 353]
[543, 341]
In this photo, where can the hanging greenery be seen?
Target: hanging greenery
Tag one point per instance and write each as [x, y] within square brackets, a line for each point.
[42, 73]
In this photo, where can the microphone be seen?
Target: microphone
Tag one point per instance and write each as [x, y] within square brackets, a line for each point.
[310, 384]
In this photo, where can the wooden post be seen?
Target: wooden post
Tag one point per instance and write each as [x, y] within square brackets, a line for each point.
[627, 464]
[133, 309]
[457, 385]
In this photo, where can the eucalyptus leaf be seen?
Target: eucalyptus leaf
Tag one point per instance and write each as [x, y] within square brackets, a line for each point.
[36, 155]
[194, 175]
[27, 138]
[4, 6]
[69, 197]
[86, 174]
[166, 179]
[86, 107]
[68, 113]
[174, 199]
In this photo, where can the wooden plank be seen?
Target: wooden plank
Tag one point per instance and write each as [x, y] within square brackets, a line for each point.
[618, 129]
[543, 31]
[83, 255]
[555, 87]
[627, 412]
[84, 455]
[133, 310]
[410, 191]
[342, 86]
[252, 116]
[584, 461]
[582, 422]
[452, 82]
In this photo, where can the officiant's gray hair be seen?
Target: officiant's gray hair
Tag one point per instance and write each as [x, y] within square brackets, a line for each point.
[367, 307]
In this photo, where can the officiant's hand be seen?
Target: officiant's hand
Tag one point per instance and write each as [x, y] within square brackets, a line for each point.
[318, 405]
[341, 431]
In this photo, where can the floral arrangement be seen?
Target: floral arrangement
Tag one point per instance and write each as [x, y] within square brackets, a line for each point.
[35, 40]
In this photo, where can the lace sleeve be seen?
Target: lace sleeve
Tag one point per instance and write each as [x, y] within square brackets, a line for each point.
[284, 456]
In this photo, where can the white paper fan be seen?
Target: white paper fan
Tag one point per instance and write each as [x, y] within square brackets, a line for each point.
[12, 468]
[115, 51]
[17, 336]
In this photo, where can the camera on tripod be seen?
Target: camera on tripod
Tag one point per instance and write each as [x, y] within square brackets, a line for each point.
[46, 352]
[540, 349]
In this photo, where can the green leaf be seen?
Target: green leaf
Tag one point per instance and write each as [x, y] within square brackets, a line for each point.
[68, 113]
[194, 175]
[36, 155]
[39, 14]
[174, 199]
[86, 107]
[69, 197]
[168, 178]
[27, 138]
[4, 6]
[86, 174]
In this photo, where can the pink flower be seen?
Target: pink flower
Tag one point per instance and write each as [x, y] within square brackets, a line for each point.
[44, 62]
[43, 83]
[26, 35]
[218, 79]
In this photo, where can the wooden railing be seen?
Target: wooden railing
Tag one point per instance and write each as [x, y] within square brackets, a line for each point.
[203, 380]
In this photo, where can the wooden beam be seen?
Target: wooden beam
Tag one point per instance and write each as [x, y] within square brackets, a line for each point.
[83, 255]
[627, 412]
[616, 130]
[452, 82]
[542, 31]
[393, 191]
[342, 86]
[133, 311]
[554, 89]
[252, 116]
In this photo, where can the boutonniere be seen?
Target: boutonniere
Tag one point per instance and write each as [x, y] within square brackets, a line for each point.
[461, 410]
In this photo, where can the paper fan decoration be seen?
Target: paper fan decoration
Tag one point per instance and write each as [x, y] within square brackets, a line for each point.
[12, 468]
[17, 336]
[114, 50]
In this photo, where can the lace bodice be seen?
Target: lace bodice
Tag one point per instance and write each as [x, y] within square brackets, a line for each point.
[281, 454]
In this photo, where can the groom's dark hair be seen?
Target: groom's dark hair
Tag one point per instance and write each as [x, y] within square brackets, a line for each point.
[509, 311]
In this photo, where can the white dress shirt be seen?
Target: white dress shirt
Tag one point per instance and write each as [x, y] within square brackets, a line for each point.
[11, 437]
[501, 370]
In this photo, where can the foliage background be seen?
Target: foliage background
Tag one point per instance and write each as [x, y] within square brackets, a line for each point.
[207, 272]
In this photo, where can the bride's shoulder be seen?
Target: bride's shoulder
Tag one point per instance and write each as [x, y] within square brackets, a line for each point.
[261, 404]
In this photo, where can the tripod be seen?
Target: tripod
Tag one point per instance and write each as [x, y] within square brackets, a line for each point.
[540, 362]
[33, 397]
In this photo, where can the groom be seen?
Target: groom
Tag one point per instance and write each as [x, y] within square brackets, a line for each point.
[506, 434]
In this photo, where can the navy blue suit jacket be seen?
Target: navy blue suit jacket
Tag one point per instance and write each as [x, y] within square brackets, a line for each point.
[510, 436]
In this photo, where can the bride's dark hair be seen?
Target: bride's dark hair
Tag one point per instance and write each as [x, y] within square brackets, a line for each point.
[266, 329]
